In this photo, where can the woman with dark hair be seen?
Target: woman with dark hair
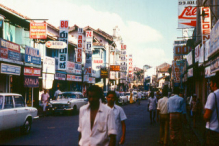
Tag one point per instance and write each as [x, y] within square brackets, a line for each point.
[152, 106]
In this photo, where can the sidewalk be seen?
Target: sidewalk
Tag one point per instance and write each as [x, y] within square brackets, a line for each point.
[199, 131]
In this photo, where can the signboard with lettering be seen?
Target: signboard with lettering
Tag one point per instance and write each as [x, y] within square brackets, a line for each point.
[31, 82]
[32, 71]
[205, 23]
[56, 44]
[104, 73]
[214, 43]
[9, 50]
[114, 68]
[70, 67]
[10, 69]
[49, 65]
[86, 78]
[32, 55]
[187, 13]
[63, 53]
[79, 46]
[60, 76]
[38, 30]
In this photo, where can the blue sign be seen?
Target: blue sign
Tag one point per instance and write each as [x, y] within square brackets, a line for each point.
[10, 69]
[31, 82]
[32, 55]
[14, 55]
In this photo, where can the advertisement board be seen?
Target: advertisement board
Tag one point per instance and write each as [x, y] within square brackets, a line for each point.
[56, 44]
[47, 80]
[9, 50]
[207, 48]
[114, 68]
[205, 23]
[32, 55]
[79, 46]
[32, 71]
[10, 69]
[38, 30]
[60, 76]
[31, 82]
[187, 13]
[48, 65]
[214, 65]
[70, 67]
[214, 43]
[104, 73]
[63, 53]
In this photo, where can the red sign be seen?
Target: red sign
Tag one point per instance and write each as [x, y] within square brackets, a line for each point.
[32, 71]
[79, 51]
[114, 68]
[89, 34]
[98, 61]
[38, 30]
[205, 24]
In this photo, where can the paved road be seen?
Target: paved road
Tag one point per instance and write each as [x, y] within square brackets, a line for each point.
[62, 130]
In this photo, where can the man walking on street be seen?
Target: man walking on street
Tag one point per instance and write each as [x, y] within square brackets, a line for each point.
[177, 111]
[152, 106]
[44, 99]
[57, 93]
[139, 97]
[162, 110]
[120, 117]
[96, 121]
[211, 115]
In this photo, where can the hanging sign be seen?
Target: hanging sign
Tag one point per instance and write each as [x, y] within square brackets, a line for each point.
[63, 53]
[32, 71]
[32, 55]
[56, 44]
[205, 23]
[10, 69]
[49, 65]
[114, 68]
[31, 82]
[38, 30]
[60, 76]
[187, 13]
[80, 45]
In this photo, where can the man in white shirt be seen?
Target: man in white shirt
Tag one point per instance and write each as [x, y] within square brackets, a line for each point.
[211, 115]
[120, 117]
[96, 121]
[44, 99]
[57, 93]
[162, 110]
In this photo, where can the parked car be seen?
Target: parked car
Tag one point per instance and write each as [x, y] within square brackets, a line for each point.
[14, 113]
[123, 99]
[68, 102]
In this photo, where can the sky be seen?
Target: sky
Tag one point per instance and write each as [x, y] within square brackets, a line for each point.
[147, 27]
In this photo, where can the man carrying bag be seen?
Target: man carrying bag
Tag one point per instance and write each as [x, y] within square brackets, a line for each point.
[211, 113]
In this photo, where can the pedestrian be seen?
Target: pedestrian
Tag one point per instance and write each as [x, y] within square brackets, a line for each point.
[96, 121]
[120, 117]
[57, 93]
[162, 110]
[44, 99]
[194, 109]
[152, 106]
[177, 111]
[211, 115]
[138, 97]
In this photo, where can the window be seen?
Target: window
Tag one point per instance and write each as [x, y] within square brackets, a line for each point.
[1, 102]
[81, 96]
[19, 101]
[8, 102]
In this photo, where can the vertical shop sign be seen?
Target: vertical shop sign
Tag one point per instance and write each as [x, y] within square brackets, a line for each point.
[205, 23]
[80, 45]
[187, 13]
[89, 40]
[63, 53]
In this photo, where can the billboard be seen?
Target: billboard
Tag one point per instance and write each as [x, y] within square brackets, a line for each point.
[38, 30]
[205, 23]
[187, 13]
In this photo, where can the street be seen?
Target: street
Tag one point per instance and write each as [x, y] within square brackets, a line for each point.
[62, 130]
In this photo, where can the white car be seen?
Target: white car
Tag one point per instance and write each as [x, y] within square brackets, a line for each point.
[14, 113]
[134, 95]
[123, 99]
[68, 101]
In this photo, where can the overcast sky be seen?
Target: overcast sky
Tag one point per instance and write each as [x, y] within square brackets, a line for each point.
[148, 27]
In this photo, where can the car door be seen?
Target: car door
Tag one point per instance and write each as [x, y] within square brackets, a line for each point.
[83, 100]
[9, 113]
[1, 112]
[22, 111]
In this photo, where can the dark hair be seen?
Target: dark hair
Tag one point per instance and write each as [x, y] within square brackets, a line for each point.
[96, 89]
[176, 90]
[215, 79]
[165, 91]
[112, 92]
[152, 94]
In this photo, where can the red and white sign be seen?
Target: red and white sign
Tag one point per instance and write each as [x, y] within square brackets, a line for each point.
[38, 30]
[130, 66]
[187, 13]
[56, 44]
[205, 24]
[89, 34]
[80, 46]
[100, 61]
[32, 71]
[87, 71]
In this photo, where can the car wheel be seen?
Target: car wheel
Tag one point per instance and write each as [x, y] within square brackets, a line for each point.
[25, 129]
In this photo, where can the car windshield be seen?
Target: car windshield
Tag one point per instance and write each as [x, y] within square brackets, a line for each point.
[121, 94]
[134, 92]
[127, 93]
[66, 95]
